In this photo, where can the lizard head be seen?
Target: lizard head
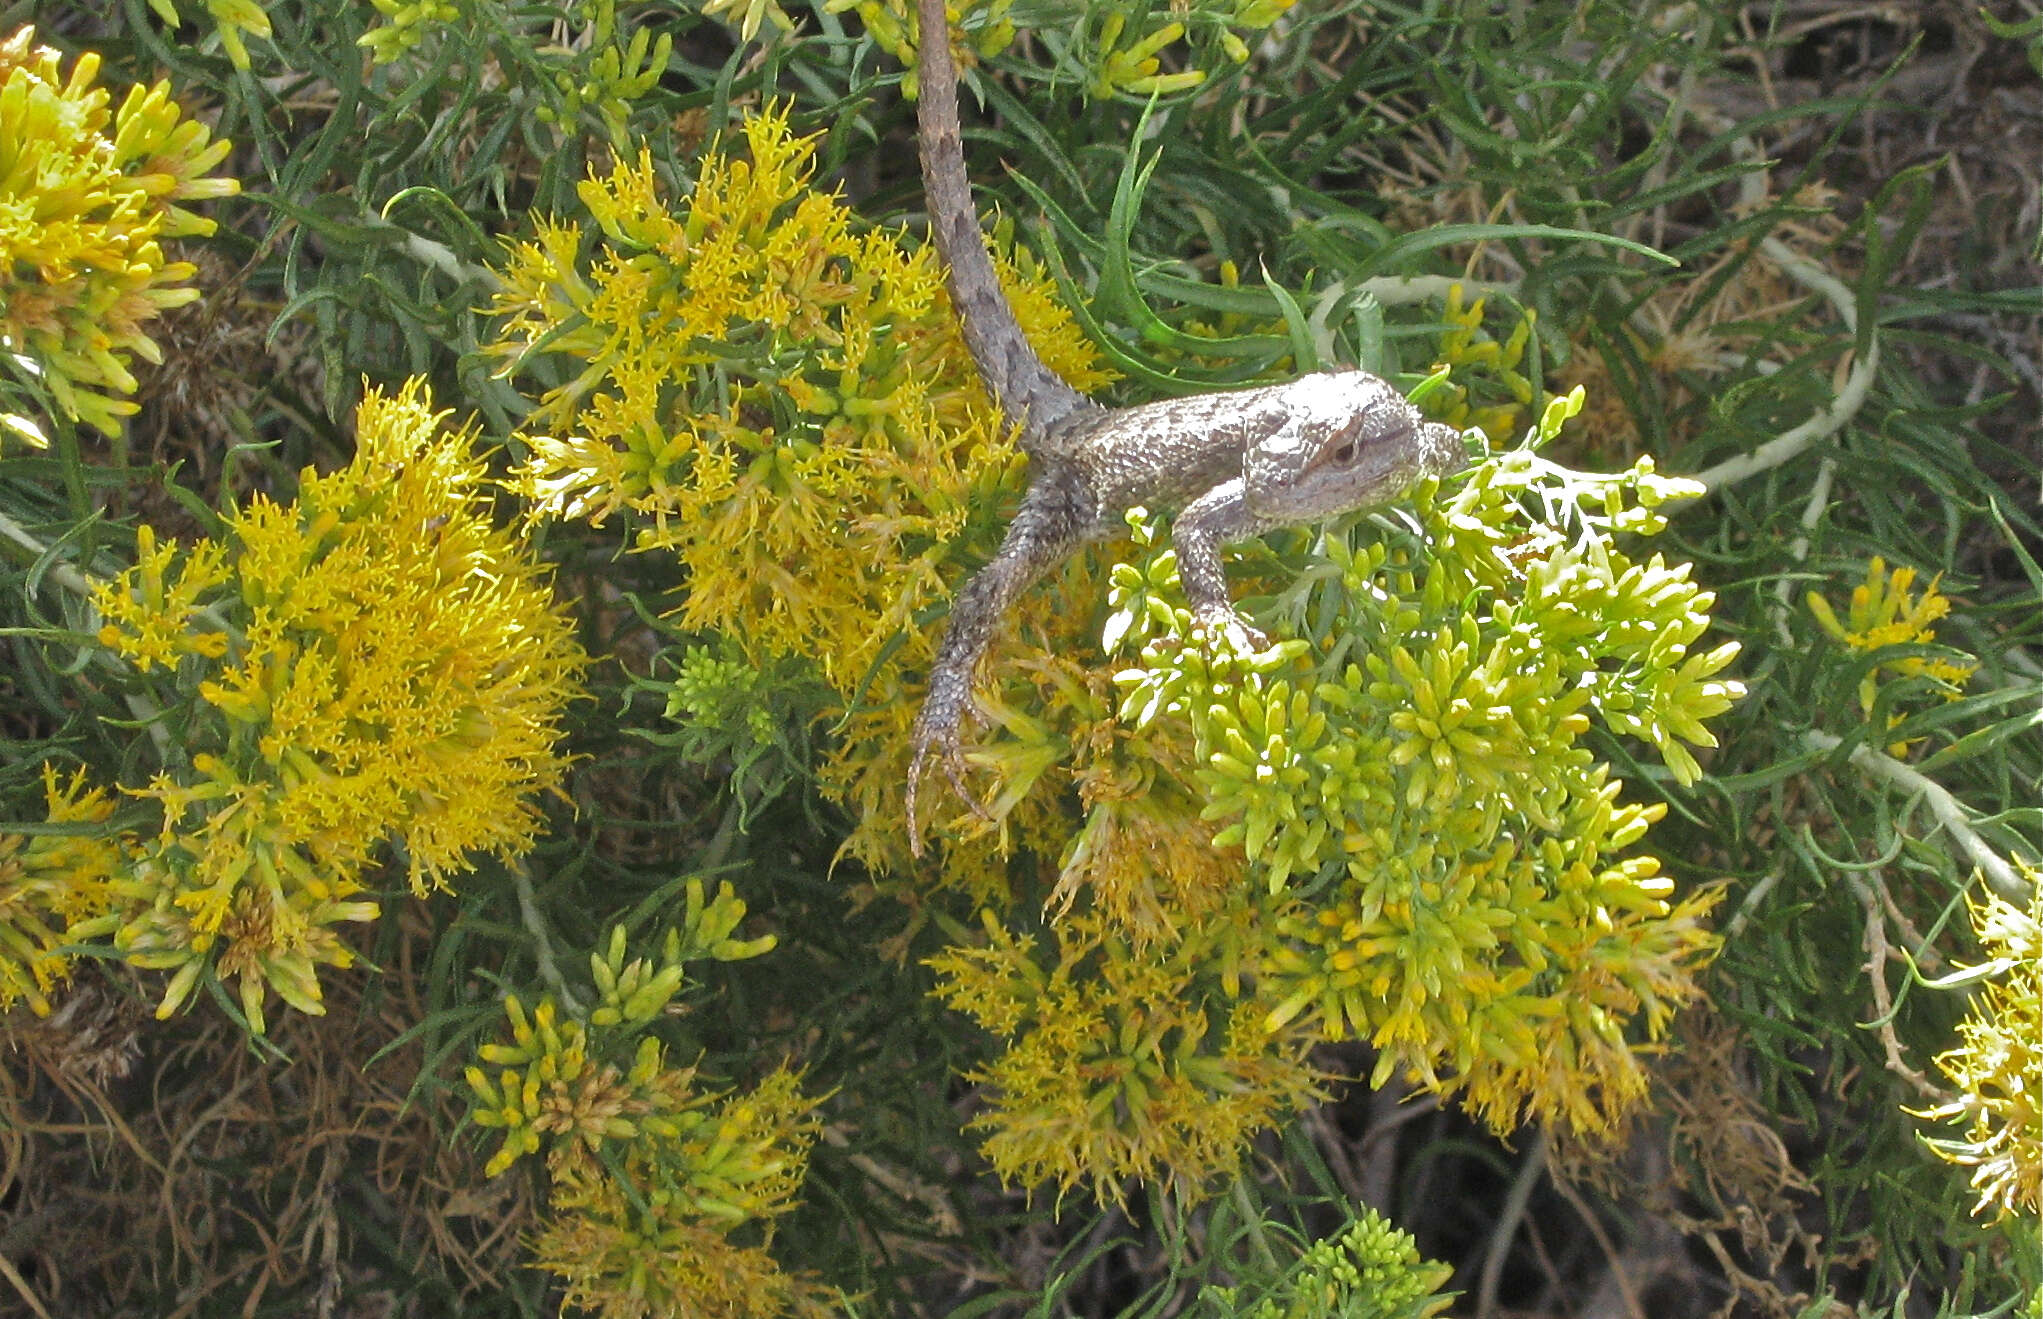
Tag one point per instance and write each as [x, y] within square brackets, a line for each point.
[1337, 441]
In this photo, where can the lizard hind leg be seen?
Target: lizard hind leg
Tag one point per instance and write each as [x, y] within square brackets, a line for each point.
[1056, 516]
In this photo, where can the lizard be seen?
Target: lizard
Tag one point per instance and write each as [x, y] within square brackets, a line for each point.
[1229, 465]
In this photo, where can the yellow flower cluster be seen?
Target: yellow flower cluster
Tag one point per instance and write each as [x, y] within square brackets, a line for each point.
[1135, 68]
[231, 19]
[1123, 57]
[1443, 859]
[87, 196]
[772, 387]
[615, 75]
[747, 14]
[652, 1257]
[405, 24]
[563, 1095]
[1998, 1064]
[650, 1173]
[778, 393]
[51, 883]
[1511, 973]
[1884, 612]
[1369, 1270]
[374, 662]
[561, 1091]
[892, 23]
[1439, 865]
[1466, 350]
[1124, 1062]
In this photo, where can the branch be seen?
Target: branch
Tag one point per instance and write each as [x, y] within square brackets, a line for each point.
[1950, 813]
[1787, 446]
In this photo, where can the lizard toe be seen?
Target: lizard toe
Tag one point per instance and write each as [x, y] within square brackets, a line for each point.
[949, 750]
[954, 770]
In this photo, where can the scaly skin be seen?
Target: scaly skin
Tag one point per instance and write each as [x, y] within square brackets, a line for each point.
[1229, 465]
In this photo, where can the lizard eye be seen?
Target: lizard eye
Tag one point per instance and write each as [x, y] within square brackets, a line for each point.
[1344, 455]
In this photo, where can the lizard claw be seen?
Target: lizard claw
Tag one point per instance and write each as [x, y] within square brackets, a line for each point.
[946, 745]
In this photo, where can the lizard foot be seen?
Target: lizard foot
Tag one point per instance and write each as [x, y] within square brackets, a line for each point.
[1226, 629]
[945, 744]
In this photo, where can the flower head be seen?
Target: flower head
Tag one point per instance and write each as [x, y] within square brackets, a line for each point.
[769, 388]
[651, 1172]
[87, 196]
[779, 398]
[1446, 869]
[1885, 612]
[1124, 1062]
[1998, 1062]
[1368, 1270]
[372, 663]
[50, 885]
[1467, 351]
[405, 24]
[234, 20]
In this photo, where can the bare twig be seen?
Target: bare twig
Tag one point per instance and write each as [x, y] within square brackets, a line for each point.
[1790, 444]
[1618, 1275]
[20, 1284]
[1877, 953]
[1508, 1221]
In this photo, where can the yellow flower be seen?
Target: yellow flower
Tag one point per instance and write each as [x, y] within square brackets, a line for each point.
[50, 885]
[627, 1256]
[157, 623]
[1884, 612]
[1466, 350]
[406, 23]
[231, 19]
[1998, 1062]
[372, 663]
[85, 196]
[651, 1173]
[891, 23]
[1442, 867]
[747, 15]
[777, 394]
[1123, 1063]
[1135, 68]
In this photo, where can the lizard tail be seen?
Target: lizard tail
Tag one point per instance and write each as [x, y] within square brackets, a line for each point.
[1027, 390]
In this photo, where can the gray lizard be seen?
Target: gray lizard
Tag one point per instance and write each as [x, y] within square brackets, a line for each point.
[1230, 465]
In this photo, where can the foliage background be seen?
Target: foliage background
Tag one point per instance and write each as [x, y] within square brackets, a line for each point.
[1848, 352]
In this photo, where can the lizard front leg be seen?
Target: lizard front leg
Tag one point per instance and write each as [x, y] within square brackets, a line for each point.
[1056, 516]
[1219, 517]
